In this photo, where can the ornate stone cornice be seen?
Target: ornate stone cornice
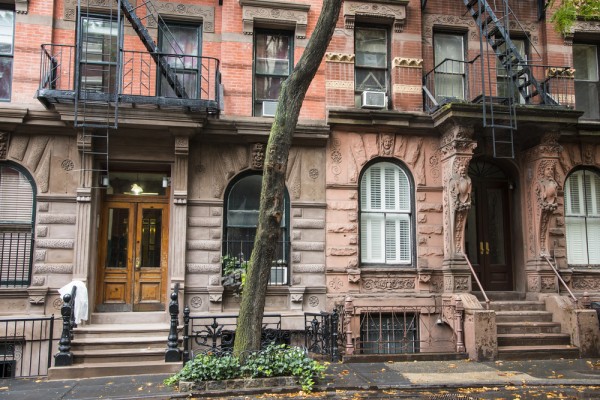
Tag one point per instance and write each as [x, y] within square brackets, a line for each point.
[21, 6]
[395, 11]
[274, 12]
[407, 62]
[204, 13]
[581, 27]
[339, 57]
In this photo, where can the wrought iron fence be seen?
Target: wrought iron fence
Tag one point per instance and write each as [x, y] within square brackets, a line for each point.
[462, 81]
[321, 333]
[216, 334]
[26, 346]
[15, 258]
[398, 330]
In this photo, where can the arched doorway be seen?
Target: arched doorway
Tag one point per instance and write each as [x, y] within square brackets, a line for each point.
[488, 235]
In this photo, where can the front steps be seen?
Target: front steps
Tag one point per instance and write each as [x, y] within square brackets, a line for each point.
[525, 329]
[117, 349]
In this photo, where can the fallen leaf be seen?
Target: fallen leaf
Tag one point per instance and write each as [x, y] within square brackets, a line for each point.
[4, 388]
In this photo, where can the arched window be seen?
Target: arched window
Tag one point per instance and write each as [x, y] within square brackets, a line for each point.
[582, 217]
[386, 215]
[241, 218]
[16, 227]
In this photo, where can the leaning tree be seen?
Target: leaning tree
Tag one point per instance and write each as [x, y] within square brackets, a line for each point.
[293, 90]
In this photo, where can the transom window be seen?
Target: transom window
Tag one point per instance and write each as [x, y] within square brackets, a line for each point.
[242, 208]
[587, 91]
[386, 215]
[181, 46]
[371, 60]
[16, 227]
[272, 65]
[582, 217]
[7, 36]
[99, 49]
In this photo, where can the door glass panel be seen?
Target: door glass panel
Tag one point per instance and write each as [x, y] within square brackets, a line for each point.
[151, 235]
[496, 227]
[118, 240]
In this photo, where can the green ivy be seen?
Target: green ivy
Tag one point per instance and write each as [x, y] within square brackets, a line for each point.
[275, 360]
[569, 11]
[234, 273]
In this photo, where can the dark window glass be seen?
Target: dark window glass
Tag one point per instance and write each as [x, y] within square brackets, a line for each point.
[585, 62]
[7, 32]
[272, 65]
[181, 45]
[99, 49]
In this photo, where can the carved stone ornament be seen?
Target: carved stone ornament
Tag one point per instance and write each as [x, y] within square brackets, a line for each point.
[267, 11]
[4, 139]
[388, 284]
[37, 300]
[339, 57]
[395, 11]
[70, 7]
[196, 302]
[21, 6]
[197, 12]
[353, 275]
[258, 156]
[215, 298]
[182, 145]
[588, 27]
[297, 297]
[586, 284]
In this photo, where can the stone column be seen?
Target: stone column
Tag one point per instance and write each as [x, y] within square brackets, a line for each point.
[457, 149]
[178, 224]
[84, 221]
[542, 202]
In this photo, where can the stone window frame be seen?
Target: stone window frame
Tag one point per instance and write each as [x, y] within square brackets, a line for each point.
[379, 12]
[204, 15]
[274, 14]
[20, 6]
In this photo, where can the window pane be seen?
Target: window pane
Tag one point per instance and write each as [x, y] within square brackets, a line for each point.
[272, 46]
[449, 47]
[371, 48]
[369, 79]
[5, 77]
[118, 238]
[7, 20]
[178, 39]
[99, 40]
[585, 61]
[267, 88]
[189, 80]
[151, 238]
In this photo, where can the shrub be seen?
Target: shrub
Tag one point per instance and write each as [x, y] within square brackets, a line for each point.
[275, 360]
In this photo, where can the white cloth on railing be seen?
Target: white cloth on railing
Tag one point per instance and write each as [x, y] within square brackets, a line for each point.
[81, 299]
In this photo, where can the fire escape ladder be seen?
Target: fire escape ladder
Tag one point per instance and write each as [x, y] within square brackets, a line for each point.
[97, 84]
[494, 33]
[162, 63]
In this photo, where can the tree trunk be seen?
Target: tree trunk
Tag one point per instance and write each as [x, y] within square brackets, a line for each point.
[293, 90]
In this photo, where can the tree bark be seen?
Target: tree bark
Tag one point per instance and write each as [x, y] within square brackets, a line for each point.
[293, 91]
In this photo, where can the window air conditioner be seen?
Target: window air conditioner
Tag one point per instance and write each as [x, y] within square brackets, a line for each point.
[278, 275]
[371, 99]
[269, 108]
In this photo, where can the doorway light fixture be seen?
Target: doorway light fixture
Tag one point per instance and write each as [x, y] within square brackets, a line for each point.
[166, 181]
[136, 189]
[105, 181]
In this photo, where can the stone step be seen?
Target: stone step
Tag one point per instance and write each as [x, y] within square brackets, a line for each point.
[121, 342]
[129, 318]
[120, 330]
[118, 356]
[78, 371]
[524, 327]
[534, 339]
[517, 306]
[522, 316]
[537, 352]
[500, 296]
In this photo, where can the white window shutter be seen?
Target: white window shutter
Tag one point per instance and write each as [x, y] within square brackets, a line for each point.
[372, 233]
[576, 240]
[16, 197]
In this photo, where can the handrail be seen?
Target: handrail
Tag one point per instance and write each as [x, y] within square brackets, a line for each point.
[561, 279]
[487, 300]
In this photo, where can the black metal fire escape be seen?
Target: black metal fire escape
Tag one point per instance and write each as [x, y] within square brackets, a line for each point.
[500, 117]
[97, 107]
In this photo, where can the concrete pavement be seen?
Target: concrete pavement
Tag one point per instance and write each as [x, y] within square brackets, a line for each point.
[577, 379]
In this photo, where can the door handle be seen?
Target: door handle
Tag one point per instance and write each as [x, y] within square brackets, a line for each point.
[138, 263]
[480, 247]
[487, 248]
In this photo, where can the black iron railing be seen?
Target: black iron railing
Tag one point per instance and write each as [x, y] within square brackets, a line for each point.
[64, 357]
[15, 258]
[140, 81]
[26, 346]
[173, 353]
[461, 81]
[216, 334]
[321, 333]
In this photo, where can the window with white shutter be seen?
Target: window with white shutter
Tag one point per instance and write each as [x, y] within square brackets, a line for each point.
[16, 227]
[582, 217]
[386, 215]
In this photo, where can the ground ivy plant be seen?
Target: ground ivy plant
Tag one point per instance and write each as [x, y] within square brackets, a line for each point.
[273, 361]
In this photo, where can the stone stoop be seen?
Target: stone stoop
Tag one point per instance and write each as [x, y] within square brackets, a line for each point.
[525, 330]
[117, 349]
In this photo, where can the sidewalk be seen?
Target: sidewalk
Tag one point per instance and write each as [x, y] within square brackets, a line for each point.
[381, 379]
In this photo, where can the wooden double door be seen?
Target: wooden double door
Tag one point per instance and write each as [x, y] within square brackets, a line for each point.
[133, 249]
[488, 240]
